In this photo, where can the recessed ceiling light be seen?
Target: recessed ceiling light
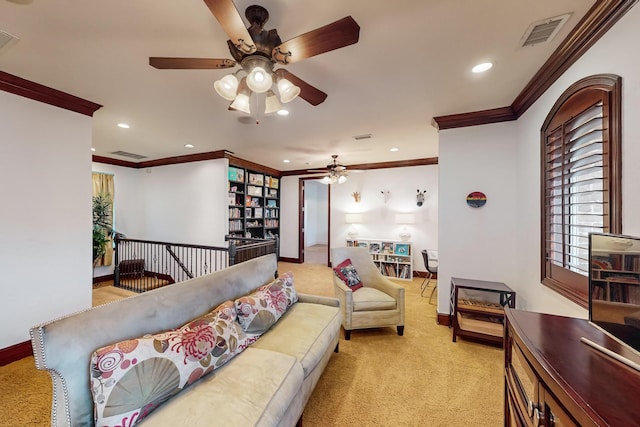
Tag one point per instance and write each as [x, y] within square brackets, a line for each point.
[394, 149]
[481, 68]
[285, 161]
[93, 149]
[123, 125]
[189, 145]
[283, 112]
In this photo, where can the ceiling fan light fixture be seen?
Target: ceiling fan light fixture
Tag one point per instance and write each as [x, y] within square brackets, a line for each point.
[288, 91]
[271, 103]
[259, 80]
[227, 87]
[342, 179]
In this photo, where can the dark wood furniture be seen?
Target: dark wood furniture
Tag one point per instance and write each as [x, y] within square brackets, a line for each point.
[553, 379]
[476, 308]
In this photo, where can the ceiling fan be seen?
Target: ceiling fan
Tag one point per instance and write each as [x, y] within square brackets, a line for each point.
[257, 51]
[334, 173]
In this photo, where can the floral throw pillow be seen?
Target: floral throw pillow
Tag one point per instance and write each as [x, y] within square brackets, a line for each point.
[131, 378]
[348, 274]
[260, 310]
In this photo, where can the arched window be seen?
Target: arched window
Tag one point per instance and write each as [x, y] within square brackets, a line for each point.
[581, 180]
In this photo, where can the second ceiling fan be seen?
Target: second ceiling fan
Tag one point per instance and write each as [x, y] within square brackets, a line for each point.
[257, 51]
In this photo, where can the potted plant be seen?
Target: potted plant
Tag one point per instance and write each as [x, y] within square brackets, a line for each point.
[102, 225]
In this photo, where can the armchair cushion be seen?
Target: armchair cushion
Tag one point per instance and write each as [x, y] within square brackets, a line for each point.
[370, 299]
[348, 274]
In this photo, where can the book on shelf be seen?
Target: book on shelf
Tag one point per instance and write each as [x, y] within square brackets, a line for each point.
[257, 212]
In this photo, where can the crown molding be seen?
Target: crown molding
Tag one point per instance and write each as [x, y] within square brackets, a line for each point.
[597, 21]
[28, 89]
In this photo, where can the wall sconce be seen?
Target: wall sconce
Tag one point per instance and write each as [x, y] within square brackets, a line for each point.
[356, 196]
[420, 197]
[352, 218]
[405, 219]
[386, 195]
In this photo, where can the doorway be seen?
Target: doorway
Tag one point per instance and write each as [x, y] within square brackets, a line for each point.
[314, 238]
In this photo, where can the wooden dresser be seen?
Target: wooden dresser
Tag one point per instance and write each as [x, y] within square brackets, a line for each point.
[553, 379]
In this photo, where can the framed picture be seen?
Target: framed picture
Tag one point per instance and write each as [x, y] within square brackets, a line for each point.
[387, 248]
[402, 249]
[363, 244]
[374, 247]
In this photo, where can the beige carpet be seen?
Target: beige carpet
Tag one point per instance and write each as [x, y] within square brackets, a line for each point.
[376, 379]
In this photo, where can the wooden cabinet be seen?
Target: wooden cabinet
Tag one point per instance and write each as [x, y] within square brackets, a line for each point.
[553, 379]
[476, 308]
[254, 204]
[393, 258]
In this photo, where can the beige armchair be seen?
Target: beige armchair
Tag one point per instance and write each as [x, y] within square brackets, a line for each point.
[379, 303]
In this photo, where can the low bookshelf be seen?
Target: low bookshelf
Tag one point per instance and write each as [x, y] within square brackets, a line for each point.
[393, 258]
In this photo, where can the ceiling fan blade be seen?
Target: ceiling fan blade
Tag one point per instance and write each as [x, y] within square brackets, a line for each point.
[231, 22]
[341, 33]
[190, 63]
[309, 93]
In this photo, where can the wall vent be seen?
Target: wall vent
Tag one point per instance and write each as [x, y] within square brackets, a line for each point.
[6, 40]
[364, 136]
[130, 155]
[544, 31]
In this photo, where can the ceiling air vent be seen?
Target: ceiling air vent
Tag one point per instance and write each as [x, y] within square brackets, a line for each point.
[130, 155]
[6, 40]
[361, 137]
[544, 31]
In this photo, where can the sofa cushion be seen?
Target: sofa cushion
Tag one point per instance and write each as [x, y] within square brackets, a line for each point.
[129, 379]
[260, 310]
[305, 332]
[368, 299]
[348, 274]
[255, 389]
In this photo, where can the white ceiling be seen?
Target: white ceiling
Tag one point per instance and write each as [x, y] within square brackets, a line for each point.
[412, 63]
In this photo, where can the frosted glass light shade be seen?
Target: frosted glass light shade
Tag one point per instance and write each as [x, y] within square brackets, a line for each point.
[271, 103]
[241, 103]
[288, 91]
[227, 87]
[405, 219]
[353, 218]
[259, 80]
[342, 179]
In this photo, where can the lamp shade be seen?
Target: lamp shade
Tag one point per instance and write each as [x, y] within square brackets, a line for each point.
[353, 218]
[227, 87]
[405, 219]
[241, 103]
[288, 91]
[271, 103]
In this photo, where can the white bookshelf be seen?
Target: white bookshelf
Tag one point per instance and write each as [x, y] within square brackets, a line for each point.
[392, 257]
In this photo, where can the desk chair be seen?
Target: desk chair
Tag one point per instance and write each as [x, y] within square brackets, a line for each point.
[430, 258]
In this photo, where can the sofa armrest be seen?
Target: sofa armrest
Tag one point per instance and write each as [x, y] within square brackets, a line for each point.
[318, 299]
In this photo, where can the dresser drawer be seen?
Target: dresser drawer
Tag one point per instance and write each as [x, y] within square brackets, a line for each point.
[523, 383]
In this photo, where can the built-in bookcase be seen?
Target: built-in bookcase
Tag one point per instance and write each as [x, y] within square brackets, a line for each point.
[393, 258]
[254, 204]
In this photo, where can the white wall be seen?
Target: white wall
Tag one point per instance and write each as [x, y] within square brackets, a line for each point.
[614, 53]
[45, 214]
[185, 203]
[316, 230]
[378, 216]
[477, 243]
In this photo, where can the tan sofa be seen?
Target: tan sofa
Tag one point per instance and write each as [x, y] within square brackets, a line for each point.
[268, 384]
[379, 303]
